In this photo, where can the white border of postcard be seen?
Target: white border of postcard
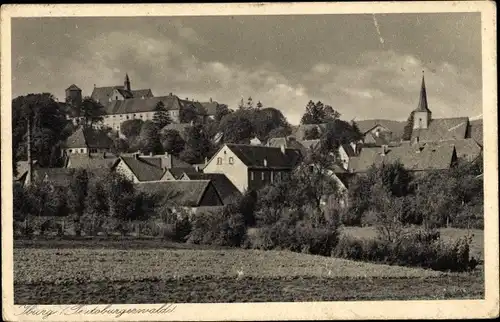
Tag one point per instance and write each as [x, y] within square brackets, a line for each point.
[451, 309]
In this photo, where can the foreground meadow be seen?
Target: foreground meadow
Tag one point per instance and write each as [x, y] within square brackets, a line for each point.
[98, 275]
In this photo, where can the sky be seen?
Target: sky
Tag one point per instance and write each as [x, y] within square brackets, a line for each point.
[365, 66]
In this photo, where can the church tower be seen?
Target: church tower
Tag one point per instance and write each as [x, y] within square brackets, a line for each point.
[126, 84]
[73, 96]
[422, 114]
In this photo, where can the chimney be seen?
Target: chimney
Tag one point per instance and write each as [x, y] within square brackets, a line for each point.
[170, 94]
[104, 155]
[206, 160]
[136, 155]
[210, 100]
[150, 154]
[197, 168]
[94, 85]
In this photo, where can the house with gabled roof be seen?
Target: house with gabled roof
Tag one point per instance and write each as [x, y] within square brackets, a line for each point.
[413, 157]
[225, 188]
[95, 162]
[142, 168]
[87, 141]
[186, 194]
[55, 177]
[250, 167]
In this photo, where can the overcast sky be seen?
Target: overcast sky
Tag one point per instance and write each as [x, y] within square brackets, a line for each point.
[365, 66]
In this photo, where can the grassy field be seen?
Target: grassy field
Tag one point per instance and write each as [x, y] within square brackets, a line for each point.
[477, 246]
[171, 274]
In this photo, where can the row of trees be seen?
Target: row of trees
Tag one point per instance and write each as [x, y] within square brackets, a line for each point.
[393, 195]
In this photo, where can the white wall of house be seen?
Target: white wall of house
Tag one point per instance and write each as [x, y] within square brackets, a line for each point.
[226, 162]
[114, 121]
[83, 150]
[344, 157]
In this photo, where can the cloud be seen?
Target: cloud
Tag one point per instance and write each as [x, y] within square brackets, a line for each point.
[380, 84]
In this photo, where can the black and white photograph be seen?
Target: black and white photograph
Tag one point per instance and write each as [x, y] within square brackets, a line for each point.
[155, 157]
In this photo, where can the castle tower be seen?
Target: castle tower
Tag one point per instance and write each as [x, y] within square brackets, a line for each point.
[126, 84]
[422, 114]
[74, 95]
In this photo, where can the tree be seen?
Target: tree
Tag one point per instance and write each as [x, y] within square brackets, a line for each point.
[188, 113]
[48, 127]
[339, 132]
[236, 128]
[312, 134]
[150, 139]
[249, 103]
[172, 142]
[91, 111]
[132, 128]
[279, 132]
[241, 105]
[408, 129]
[77, 195]
[259, 105]
[119, 146]
[220, 111]
[198, 145]
[314, 114]
[265, 120]
[161, 117]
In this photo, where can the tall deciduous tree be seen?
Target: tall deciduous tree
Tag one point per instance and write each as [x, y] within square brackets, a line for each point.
[150, 138]
[48, 121]
[91, 111]
[172, 142]
[132, 128]
[77, 196]
[236, 128]
[188, 113]
[317, 113]
[220, 111]
[198, 145]
[161, 117]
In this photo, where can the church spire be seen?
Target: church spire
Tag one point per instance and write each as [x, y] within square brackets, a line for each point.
[422, 115]
[127, 83]
[422, 103]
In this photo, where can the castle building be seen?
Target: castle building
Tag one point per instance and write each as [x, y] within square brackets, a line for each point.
[122, 103]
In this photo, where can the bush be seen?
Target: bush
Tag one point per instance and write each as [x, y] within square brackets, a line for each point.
[220, 228]
[293, 233]
[421, 248]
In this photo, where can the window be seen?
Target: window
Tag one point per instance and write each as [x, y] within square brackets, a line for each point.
[81, 150]
[231, 160]
[219, 161]
[127, 117]
[141, 115]
[70, 150]
[251, 175]
[116, 97]
[262, 176]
